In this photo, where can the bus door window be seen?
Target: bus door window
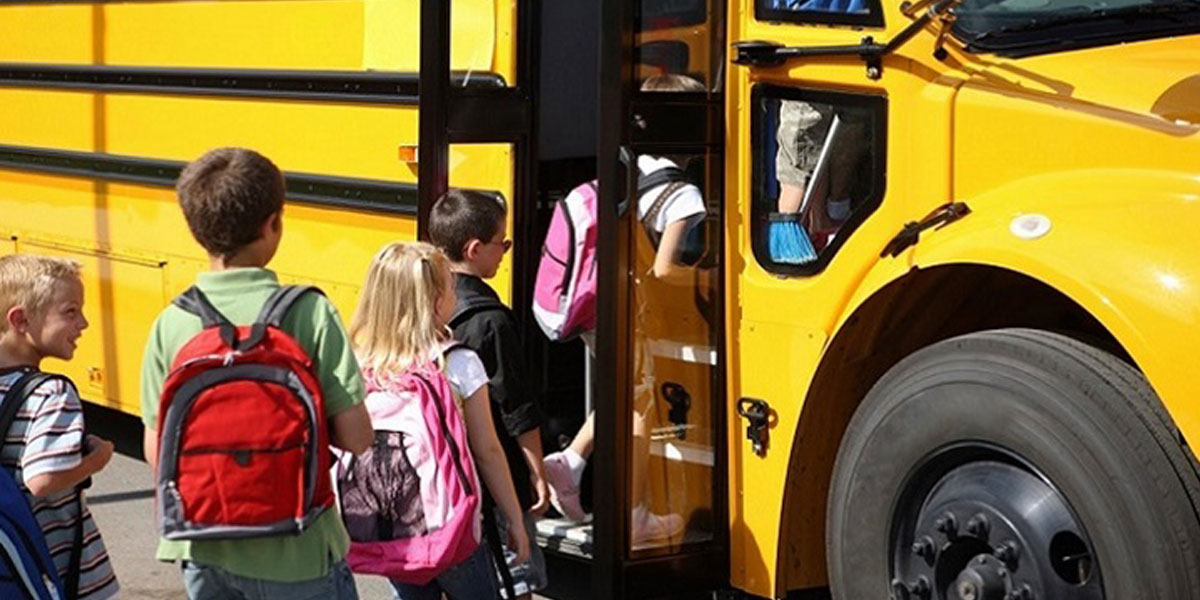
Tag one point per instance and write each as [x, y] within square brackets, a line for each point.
[678, 37]
[674, 354]
[818, 165]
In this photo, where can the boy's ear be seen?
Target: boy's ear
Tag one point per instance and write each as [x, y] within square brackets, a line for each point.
[471, 249]
[273, 224]
[17, 318]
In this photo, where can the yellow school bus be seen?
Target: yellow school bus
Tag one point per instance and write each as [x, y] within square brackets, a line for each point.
[930, 339]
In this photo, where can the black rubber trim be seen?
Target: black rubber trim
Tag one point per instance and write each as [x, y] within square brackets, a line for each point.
[324, 190]
[342, 86]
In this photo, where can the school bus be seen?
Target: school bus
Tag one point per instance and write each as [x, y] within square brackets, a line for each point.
[973, 378]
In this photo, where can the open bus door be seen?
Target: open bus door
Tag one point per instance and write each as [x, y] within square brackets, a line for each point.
[661, 527]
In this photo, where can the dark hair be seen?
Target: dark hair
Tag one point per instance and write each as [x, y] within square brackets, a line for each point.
[227, 195]
[460, 216]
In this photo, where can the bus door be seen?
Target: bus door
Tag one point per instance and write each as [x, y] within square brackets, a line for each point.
[661, 522]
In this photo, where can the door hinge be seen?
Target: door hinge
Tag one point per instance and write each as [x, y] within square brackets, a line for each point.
[910, 234]
[758, 416]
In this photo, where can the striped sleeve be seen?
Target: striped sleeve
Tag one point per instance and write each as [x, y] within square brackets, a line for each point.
[54, 438]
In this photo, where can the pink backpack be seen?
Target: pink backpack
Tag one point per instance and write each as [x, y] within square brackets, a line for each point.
[564, 295]
[412, 502]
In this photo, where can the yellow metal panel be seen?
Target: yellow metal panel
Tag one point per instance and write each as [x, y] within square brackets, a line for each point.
[56, 119]
[26, 35]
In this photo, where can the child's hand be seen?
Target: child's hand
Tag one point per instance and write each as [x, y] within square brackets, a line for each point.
[541, 489]
[97, 451]
[518, 540]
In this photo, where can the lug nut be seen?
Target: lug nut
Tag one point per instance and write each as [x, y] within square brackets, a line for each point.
[979, 526]
[924, 547]
[920, 587]
[947, 524]
[1007, 552]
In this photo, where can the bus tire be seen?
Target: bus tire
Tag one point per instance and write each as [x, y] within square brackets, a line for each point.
[1013, 464]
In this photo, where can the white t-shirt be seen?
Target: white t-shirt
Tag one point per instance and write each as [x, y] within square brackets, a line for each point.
[465, 372]
[686, 203]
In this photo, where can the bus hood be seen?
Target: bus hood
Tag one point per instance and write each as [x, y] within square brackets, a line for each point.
[1132, 107]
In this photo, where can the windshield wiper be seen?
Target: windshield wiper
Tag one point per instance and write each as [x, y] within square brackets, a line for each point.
[1155, 9]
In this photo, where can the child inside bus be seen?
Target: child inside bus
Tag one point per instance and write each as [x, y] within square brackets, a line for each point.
[232, 199]
[406, 304]
[667, 213]
[45, 449]
[469, 228]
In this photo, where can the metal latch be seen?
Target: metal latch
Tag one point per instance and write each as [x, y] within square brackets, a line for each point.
[758, 416]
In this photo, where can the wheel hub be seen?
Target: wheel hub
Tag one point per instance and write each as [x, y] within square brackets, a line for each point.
[978, 525]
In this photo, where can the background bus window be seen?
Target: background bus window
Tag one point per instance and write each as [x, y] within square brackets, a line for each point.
[818, 167]
[845, 12]
[675, 339]
[677, 37]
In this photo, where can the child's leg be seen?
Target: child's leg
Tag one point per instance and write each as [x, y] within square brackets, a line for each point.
[582, 444]
[471, 579]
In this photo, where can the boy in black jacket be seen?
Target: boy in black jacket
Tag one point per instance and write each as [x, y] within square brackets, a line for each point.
[469, 227]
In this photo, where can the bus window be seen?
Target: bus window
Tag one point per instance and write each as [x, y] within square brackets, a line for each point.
[674, 38]
[841, 12]
[818, 166]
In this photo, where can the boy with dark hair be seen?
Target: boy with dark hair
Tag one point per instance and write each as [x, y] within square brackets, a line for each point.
[469, 227]
[45, 449]
[232, 199]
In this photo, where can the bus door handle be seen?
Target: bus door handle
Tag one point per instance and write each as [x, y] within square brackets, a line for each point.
[758, 416]
[629, 160]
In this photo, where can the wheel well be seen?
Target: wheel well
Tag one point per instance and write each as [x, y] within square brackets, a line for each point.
[919, 309]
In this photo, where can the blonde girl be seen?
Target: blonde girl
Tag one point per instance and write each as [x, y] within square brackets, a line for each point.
[400, 323]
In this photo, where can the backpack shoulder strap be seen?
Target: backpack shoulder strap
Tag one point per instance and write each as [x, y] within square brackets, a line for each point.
[273, 311]
[655, 209]
[281, 301]
[662, 176]
[195, 302]
[15, 397]
[472, 305]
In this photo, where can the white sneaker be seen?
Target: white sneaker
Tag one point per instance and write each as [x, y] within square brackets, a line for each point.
[649, 529]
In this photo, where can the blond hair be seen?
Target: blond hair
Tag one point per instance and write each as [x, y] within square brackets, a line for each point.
[672, 82]
[395, 325]
[27, 280]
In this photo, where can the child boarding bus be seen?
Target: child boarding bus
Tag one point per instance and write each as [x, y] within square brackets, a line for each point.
[931, 338]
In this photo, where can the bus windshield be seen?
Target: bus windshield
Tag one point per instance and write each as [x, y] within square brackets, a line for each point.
[1024, 27]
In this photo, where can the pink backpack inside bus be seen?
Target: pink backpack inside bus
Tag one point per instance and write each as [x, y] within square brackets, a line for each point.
[564, 296]
[411, 503]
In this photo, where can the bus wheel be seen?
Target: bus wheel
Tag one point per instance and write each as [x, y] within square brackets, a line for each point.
[1013, 465]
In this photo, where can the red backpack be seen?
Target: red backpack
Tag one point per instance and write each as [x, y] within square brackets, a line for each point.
[243, 447]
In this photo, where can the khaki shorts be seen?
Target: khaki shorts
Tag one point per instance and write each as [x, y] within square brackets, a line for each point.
[799, 141]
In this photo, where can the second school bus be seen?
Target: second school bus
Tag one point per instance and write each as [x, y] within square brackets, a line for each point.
[980, 385]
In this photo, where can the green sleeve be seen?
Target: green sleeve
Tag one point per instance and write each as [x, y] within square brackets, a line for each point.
[154, 373]
[319, 329]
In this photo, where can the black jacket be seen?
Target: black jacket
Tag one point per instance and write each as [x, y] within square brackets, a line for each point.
[489, 328]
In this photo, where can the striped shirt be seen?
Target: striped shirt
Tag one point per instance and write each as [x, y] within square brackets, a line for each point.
[46, 437]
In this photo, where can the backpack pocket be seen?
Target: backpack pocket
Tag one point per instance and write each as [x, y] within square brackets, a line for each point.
[252, 485]
[381, 493]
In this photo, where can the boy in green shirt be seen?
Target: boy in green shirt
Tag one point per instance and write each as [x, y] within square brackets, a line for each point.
[232, 199]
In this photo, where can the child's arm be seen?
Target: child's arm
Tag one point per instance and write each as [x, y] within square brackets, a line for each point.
[351, 429]
[493, 467]
[531, 447]
[48, 484]
[666, 258]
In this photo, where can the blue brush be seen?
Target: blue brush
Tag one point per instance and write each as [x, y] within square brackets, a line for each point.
[788, 241]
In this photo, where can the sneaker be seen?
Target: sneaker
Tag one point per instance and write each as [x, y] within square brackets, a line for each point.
[564, 494]
[650, 529]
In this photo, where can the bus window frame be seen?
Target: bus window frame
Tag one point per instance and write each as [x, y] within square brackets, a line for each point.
[872, 18]
[877, 104]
